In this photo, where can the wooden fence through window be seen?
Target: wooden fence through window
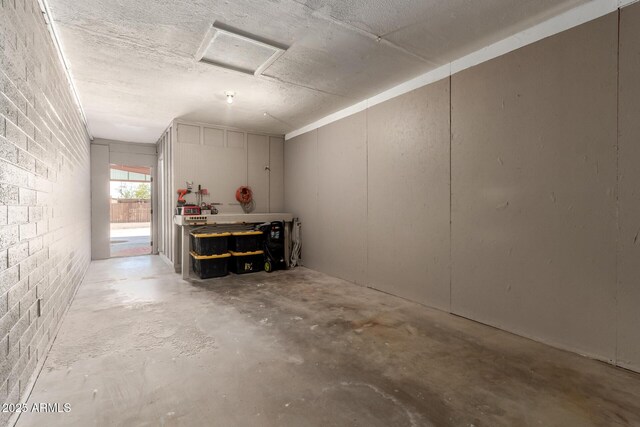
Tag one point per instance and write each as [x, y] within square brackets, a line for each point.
[131, 211]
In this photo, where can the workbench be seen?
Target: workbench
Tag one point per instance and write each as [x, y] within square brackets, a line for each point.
[188, 223]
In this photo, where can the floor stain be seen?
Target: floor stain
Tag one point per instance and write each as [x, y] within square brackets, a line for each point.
[301, 348]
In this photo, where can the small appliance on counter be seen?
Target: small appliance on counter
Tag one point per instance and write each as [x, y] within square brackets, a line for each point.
[188, 210]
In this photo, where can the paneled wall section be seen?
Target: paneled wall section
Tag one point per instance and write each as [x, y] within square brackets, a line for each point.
[534, 190]
[408, 210]
[219, 159]
[508, 193]
[45, 217]
[628, 295]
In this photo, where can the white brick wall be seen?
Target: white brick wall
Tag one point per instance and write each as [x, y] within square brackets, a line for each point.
[44, 195]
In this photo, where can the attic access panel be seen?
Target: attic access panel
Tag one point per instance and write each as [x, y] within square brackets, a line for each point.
[233, 49]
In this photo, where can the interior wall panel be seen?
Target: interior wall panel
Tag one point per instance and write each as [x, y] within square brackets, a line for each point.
[301, 192]
[223, 166]
[276, 175]
[221, 170]
[188, 134]
[221, 160]
[235, 139]
[629, 190]
[100, 234]
[545, 191]
[213, 137]
[533, 190]
[166, 199]
[408, 195]
[257, 170]
[342, 198]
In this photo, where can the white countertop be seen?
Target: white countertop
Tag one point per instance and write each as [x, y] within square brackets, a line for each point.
[236, 218]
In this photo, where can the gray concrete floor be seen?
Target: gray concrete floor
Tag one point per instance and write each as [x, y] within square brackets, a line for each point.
[130, 239]
[130, 246]
[140, 347]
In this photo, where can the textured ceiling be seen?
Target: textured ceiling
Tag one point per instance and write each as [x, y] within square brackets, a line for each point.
[134, 65]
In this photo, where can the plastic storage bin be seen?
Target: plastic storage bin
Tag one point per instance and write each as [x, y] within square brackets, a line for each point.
[210, 242]
[246, 241]
[246, 262]
[208, 266]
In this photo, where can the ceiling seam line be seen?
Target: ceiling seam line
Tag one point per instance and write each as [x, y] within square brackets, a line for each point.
[372, 36]
[557, 24]
[278, 80]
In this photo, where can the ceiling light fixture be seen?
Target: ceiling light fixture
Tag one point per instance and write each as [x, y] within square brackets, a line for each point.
[230, 95]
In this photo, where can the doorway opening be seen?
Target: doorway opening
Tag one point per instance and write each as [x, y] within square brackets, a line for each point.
[130, 216]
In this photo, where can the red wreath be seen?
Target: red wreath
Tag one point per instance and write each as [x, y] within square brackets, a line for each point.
[244, 195]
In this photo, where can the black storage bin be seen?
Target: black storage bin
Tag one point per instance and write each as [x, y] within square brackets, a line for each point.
[246, 241]
[208, 266]
[246, 262]
[210, 242]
